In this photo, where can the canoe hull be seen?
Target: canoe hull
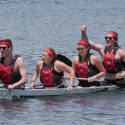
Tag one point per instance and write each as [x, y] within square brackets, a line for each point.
[27, 92]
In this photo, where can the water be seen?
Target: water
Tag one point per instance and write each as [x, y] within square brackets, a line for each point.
[33, 25]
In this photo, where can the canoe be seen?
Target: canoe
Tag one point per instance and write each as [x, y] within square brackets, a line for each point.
[37, 92]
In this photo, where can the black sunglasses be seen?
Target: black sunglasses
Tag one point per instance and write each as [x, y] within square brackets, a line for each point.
[3, 47]
[108, 38]
[80, 49]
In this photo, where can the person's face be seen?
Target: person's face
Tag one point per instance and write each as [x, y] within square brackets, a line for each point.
[82, 50]
[3, 49]
[46, 57]
[109, 39]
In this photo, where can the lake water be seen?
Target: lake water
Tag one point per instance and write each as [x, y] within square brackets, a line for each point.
[33, 25]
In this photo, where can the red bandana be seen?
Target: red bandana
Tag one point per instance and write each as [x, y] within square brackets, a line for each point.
[6, 43]
[85, 43]
[50, 52]
[114, 35]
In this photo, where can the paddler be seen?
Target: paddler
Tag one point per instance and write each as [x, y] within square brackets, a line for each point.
[87, 66]
[12, 68]
[51, 71]
[113, 57]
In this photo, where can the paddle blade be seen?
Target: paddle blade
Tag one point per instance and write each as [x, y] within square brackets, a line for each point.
[64, 59]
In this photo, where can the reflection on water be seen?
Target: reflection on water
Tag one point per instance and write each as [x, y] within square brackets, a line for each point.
[35, 24]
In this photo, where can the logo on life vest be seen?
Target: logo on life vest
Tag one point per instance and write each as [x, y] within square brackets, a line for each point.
[82, 70]
[47, 78]
[109, 62]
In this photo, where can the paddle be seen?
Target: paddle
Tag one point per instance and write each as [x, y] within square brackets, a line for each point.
[86, 79]
[36, 87]
[110, 74]
[63, 59]
[114, 75]
[100, 81]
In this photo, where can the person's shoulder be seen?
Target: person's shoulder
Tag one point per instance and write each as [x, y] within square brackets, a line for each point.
[58, 62]
[40, 62]
[76, 58]
[94, 57]
[18, 61]
[18, 58]
[121, 51]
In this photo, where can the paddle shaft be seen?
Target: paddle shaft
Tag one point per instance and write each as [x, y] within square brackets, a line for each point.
[113, 75]
[86, 79]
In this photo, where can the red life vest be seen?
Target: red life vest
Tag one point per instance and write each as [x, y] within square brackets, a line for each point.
[47, 77]
[82, 70]
[109, 62]
[6, 74]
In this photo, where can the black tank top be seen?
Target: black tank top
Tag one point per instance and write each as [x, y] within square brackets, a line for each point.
[15, 76]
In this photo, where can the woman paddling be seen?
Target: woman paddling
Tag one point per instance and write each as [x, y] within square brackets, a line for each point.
[113, 57]
[87, 65]
[51, 71]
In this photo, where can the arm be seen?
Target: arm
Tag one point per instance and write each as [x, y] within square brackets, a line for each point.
[60, 66]
[35, 75]
[121, 54]
[97, 63]
[74, 63]
[83, 33]
[22, 70]
[67, 76]
[96, 47]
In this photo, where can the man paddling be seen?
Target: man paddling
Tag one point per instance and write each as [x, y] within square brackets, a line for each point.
[113, 57]
[12, 68]
[51, 71]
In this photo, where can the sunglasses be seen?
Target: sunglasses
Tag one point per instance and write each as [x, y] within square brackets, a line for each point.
[80, 49]
[3, 47]
[108, 38]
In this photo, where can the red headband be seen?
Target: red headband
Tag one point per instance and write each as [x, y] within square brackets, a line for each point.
[85, 43]
[50, 52]
[113, 34]
[6, 43]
